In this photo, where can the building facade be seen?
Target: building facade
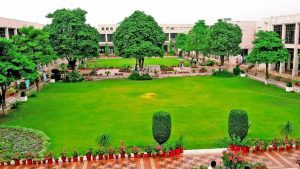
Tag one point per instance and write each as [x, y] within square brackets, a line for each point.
[171, 31]
[10, 27]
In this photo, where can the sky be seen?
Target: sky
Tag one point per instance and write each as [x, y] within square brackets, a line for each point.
[164, 11]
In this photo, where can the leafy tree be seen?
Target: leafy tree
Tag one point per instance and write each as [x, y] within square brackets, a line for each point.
[13, 66]
[139, 36]
[171, 47]
[161, 127]
[106, 50]
[35, 44]
[238, 124]
[197, 39]
[287, 129]
[224, 40]
[268, 48]
[181, 41]
[71, 37]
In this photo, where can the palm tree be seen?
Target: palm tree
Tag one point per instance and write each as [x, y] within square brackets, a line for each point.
[287, 129]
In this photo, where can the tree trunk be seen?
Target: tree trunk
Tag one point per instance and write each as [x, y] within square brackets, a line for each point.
[143, 59]
[136, 65]
[267, 71]
[189, 53]
[3, 98]
[72, 64]
[222, 58]
[197, 56]
[37, 84]
[140, 63]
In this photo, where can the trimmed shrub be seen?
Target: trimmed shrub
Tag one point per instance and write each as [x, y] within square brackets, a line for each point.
[238, 124]
[223, 73]
[161, 127]
[236, 70]
[74, 76]
[137, 76]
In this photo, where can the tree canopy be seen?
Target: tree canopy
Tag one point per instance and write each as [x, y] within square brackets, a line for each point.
[139, 36]
[13, 66]
[197, 39]
[181, 41]
[225, 39]
[268, 48]
[71, 37]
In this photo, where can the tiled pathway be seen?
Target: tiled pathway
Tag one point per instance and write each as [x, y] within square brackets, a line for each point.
[273, 160]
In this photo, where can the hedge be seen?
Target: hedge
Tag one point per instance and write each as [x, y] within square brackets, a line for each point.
[161, 127]
[238, 124]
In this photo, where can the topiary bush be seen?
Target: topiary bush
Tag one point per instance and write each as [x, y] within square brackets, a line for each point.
[137, 76]
[74, 76]
[236, 70]
[238, 124]
[223, 73]
[161, 127]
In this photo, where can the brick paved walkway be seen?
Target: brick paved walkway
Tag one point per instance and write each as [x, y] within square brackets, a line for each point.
[273, 160]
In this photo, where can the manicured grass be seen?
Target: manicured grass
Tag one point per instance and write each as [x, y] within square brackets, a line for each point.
[119, 62]
[74, 114]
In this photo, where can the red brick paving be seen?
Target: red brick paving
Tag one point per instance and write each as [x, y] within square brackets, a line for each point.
[273, 160]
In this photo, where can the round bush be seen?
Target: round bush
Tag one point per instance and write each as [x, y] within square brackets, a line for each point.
[236, 70]
[161, 127]
[238, 124]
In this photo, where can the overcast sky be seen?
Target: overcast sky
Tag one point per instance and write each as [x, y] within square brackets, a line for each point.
[164, 11]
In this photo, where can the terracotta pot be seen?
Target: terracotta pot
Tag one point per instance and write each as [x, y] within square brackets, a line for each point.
[88, 157]
[106, 156]
[237, 149]
[141, 155]
[57, 161]
[81, 158]
[263, 150]
[100, 157]
[75, 159]
[50, 160]
[123, 155]
[148, 154]
[275, 148]
[63, 159]
[288, 147]
[111, 156]
[281, 149]
[181, 149]
[165, 154]
[245, 149]
[135, 155]
[172, 153]
[94, 157]
[116, 156]
[17, 162]
[177, 151]
[231, 147]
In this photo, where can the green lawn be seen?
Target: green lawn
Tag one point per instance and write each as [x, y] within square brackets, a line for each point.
[74, 114]
[119, 62]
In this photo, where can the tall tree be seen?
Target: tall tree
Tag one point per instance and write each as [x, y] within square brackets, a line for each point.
[224, 40]
[268, 48]
[35, 44]
[71, 37]
[197, 39]
[139, 36]
[181, 41]
[13, 66]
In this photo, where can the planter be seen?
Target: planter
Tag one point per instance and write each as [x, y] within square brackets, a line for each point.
[50, 160]
[243, 75]
[2, 163]
[245, 149]
[81, 158]
[63, 159]
[56, 161]
[289, 89]
[237, 149]
[88, 157]
[69, 159]
[52, 80]
[263, 150]
[100, 157]
[75, 159]
[288, 147]
[135, 155]
[117, 156]
[298, 147]
[111, 156]
[141, 155]
[281, 149]
[275, 148]
[39, 162]
[172, 153]
[177, 151]
[148, 154]
[231, 147]
[165, 154]
[129, 155]
[106, 157]
[94, 158]
[123, 155]
[17, 162]
[181, 149]
[23, 162]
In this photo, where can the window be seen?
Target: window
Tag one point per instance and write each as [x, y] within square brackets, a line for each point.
[111, 28]
[11, 33]
[291, 52]
[107, 28]
[109, 37]
[173, 35]
[278, 30]
[167, 37]
[103, 28]
[102, 38]
[172, 28]
[2, 32]
[290, 33]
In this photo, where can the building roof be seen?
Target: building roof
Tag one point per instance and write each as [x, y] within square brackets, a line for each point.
[13, 23]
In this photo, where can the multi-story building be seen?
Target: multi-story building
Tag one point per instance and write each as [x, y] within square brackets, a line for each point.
[10, 27]
[171, 30]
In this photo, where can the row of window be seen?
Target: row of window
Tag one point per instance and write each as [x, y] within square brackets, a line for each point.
[289, 33]
[107, 28]
[110, 37]
[11, 32]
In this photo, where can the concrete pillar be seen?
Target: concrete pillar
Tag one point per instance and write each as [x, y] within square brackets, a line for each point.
[106, 40]
[296, 56]
[283, 33]
[15, 31]
[6, 33]
[282, 68]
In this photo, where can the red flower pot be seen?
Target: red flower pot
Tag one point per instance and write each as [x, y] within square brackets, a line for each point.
[44, 161]
[50, 160]
[81, 158]
[17, 162]
[56, 161]
[237, 149]
[263, 150]
[88, 157]
[69, 159]
[111, 156]
[297, 147]
[172, 153]
[181, 149]
[288, 148]
[75, 159]
[129, 155]
[23, 162]
[2, 163]
[94, 158]
[275, 148]
[281, 149]
[39, 162]
[141, 155]
[165, 154]
[148, 154]
[100, 157]
[177, 151]
[245, 149]
[106, 156]
[116, 156]
[123, 155]
[231, 147]
[63, 159]
[135, 155]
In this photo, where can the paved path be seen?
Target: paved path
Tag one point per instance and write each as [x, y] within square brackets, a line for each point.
[273, 160]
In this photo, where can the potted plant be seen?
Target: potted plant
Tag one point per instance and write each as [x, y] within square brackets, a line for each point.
[263, 146]
[158, 150]
[297, 144]
[177, 147]
[23, 97]
[89, 154]
[111, 152]
[116, 155]
[166, 150]
[289, 87]
[275, 144]
[288, 144]
[237, 147]
[50, 158]
[64, 155]
[281, 146]
[128, 152]
[135, 151]
[149, 150]
[245, 146]
[56, 159]
[75, 156]
[172, 150]
[242, 73]
[81, 158]
[69, 159]
[122, 149]
[16, 158]
[101, 152]
[29, 158]
[95, 154]
[107, 73]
